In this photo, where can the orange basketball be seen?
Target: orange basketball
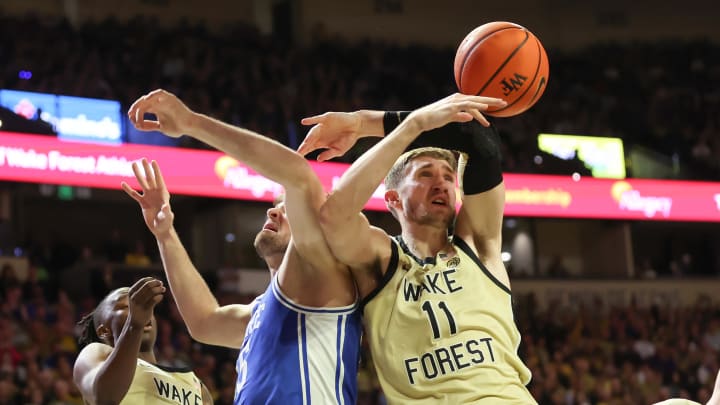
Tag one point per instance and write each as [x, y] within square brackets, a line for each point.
[504, 60]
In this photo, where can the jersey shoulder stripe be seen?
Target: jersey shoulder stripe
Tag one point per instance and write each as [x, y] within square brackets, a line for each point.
[389, 273]
[469, 252]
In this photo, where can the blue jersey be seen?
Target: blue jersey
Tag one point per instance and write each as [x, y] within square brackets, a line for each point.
[294, 354]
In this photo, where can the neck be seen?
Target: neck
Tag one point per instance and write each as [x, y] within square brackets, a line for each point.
[273, 262]
[423, 240]
[148, 356]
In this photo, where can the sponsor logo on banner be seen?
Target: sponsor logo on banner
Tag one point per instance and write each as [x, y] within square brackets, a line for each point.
[74, 118]
[629, 199]
[527, 196]
[65, 162]
[237, 177]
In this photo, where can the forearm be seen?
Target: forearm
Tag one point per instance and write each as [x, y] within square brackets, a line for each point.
[365, 175]
[194, 299]
[114, 377]
[481, 146]
[371, 123]
[259, 152]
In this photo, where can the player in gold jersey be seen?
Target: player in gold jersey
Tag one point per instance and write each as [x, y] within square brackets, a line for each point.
[437, 306]
[117, 365]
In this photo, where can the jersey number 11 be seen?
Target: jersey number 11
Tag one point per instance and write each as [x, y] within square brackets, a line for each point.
[428, 308]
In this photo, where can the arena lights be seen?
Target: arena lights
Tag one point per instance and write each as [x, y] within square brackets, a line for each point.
[604, 156]
[46, 160]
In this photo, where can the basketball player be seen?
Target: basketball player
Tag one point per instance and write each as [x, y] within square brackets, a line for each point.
[300, 340]
[437, 306]
[117, 364]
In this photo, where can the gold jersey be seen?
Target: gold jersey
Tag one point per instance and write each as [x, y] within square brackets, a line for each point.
[443, 332]
[154, 384]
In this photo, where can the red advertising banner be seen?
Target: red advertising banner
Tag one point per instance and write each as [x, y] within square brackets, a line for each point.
[43, 159]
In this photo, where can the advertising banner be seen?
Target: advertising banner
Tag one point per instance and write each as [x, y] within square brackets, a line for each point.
[43, 159]
[74, 118]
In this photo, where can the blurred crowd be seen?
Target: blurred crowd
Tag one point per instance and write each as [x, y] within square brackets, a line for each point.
[582, 355]
[664, 96]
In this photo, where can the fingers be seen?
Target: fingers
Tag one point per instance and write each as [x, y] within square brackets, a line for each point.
[476, 104]
[159, 181]
[149, 174]
[492, 102]
[309, 143]
[132, 193]
[143, 105]
[315, 119]
[148, 125]
[148, 178]
[139, 176]
[327, 155]
[138, 284]
[475, 114]
[147, 293]
[304, 148]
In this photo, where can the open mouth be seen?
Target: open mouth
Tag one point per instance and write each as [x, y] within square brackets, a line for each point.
[270, 227]
[439, 201]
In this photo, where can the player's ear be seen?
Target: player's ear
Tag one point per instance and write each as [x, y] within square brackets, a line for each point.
[392, 199]
[104, 333]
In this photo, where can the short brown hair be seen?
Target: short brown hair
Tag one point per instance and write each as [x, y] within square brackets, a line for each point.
[393, 178]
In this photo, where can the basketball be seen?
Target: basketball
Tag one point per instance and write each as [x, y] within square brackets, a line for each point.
[504, 60]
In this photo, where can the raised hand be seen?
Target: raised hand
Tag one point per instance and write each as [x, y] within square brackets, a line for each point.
[155, 198]
[335, 131]
[142, 298]
[454, 108]
[174, 118]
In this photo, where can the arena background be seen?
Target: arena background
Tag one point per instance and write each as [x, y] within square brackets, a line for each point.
[612, 311]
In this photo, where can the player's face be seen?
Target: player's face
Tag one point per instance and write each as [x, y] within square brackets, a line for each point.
[274, 236]
[117, 312]
[427, 192]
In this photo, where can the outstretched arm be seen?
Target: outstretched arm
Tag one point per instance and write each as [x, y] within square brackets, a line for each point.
[480, 220]
[337, 132]
[206, 321]
[339, 215]
[303, 191]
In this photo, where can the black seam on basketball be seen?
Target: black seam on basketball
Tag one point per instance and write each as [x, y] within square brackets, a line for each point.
[527, 35]
[537, 69]
[543, 80]
[472, 48]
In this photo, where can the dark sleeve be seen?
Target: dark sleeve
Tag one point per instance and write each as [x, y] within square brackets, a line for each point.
[480, 145]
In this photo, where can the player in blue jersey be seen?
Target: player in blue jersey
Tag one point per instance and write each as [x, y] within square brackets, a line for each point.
[298, 341]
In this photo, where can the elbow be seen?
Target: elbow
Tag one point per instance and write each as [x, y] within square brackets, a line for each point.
[305, 177]
[197, 331]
